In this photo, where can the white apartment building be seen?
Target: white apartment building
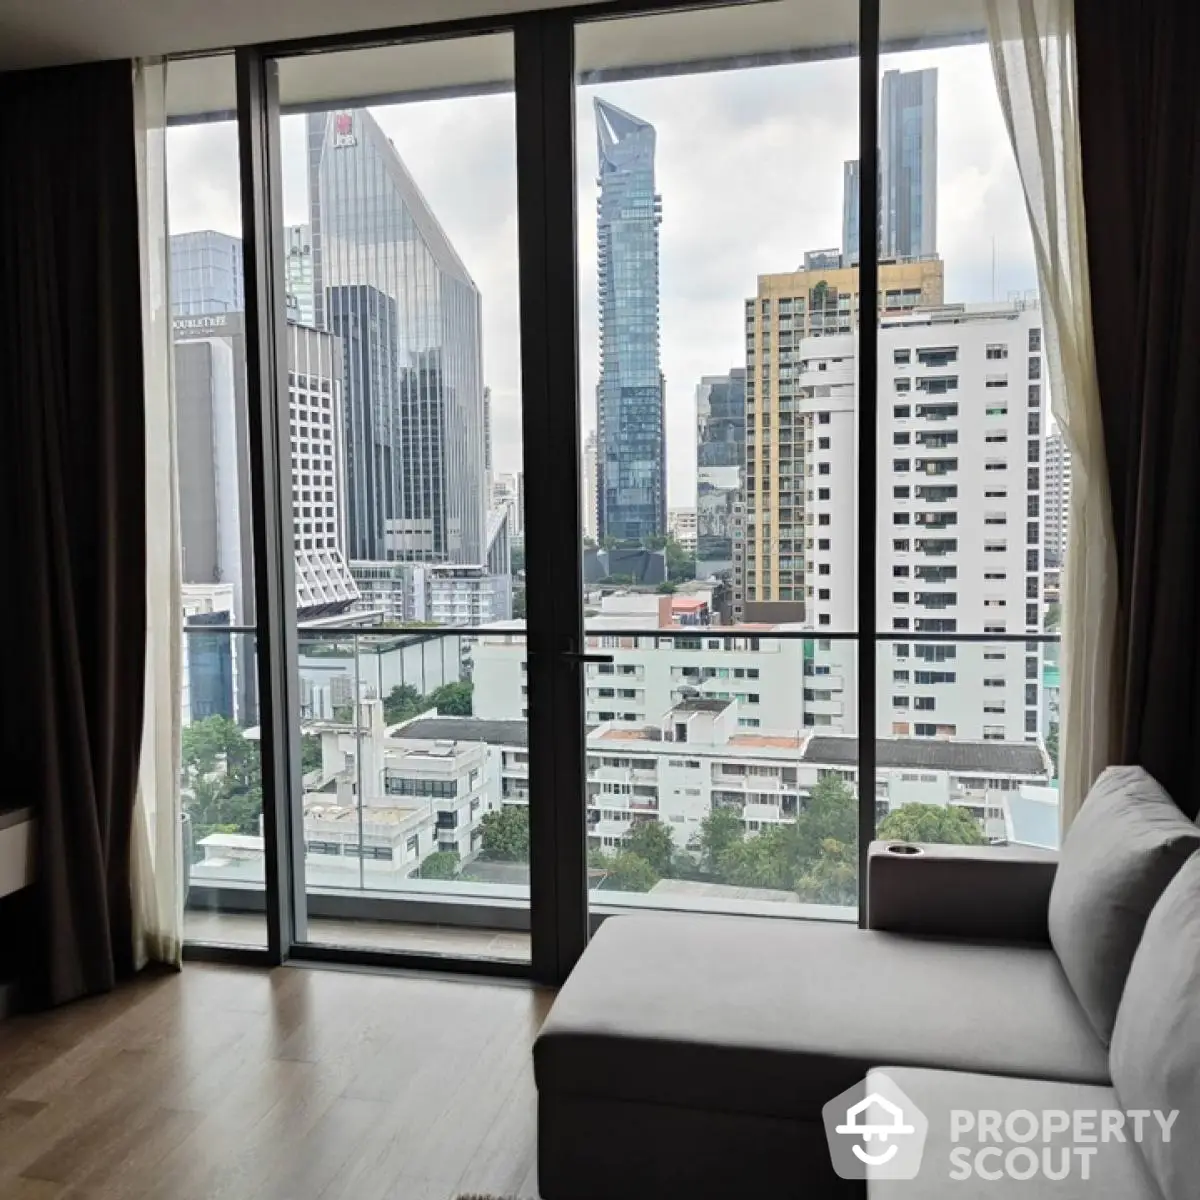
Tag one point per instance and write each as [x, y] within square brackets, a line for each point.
[1058, 499]
[408, 783]
[652, 672]
[960, 428]
[444, 593]
[681, 524]
[696, 758]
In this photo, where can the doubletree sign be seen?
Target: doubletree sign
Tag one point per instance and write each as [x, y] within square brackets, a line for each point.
[343, 129]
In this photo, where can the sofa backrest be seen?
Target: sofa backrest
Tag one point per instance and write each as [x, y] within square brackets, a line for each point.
[1125, 846]
[1155, 1052]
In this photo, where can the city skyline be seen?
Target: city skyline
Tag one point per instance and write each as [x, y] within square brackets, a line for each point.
[767, 215]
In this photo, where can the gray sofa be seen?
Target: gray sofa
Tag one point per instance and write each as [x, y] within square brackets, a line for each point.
[690, 1057]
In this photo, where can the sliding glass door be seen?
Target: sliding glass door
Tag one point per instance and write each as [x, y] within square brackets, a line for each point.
[710, 152]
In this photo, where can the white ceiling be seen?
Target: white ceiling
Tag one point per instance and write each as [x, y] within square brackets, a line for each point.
[47, 32]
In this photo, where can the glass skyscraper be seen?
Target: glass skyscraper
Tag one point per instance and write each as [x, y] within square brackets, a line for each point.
[908, 164]
[206, 274]
[907, 171]
[720, 463]
[388, 281]
[631, 463]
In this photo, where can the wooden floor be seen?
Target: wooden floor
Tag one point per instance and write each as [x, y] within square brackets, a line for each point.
[227, 1083]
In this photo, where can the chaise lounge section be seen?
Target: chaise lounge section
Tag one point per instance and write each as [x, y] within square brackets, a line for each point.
[690, 1057]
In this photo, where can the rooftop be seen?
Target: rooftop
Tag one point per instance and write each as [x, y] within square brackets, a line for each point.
[937, 754]
[639, 733]
[766, 741]
[464, 729]
[699, 704]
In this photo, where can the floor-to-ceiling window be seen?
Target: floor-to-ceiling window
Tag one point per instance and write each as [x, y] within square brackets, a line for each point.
[710, 151]
[603, 516]
[222, 794]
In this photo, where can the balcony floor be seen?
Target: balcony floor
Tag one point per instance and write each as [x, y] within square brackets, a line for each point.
[246, 929]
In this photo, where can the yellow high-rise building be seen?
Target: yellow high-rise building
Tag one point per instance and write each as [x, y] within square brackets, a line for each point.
[819, 300]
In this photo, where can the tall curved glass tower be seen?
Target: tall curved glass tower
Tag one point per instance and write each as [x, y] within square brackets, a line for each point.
[631, 489]
[387, 280]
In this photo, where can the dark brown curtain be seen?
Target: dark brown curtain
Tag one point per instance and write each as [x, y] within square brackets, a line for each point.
[1139, 106]
[72, 488]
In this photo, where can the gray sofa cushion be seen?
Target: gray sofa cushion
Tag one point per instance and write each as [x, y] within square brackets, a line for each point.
[1123, 849]
[1156, 1043]
[1117, 1171]
[776, 1017]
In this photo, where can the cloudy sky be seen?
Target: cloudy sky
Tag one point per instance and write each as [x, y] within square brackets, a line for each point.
[749, 165]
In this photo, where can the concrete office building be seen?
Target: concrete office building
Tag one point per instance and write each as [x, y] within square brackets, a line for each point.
[206, 274]
[387, 280]
[1058, 499]
[214, 477]
[720, 467]
[630, 418]
[960, 433]
[298, 270]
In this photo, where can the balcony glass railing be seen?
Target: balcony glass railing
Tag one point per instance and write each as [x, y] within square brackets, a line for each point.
[739, 795]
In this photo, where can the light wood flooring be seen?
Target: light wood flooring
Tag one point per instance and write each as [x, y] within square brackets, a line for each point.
[228, 1083]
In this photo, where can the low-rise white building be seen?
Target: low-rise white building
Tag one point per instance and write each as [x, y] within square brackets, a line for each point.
[653, 671]
[697, 758]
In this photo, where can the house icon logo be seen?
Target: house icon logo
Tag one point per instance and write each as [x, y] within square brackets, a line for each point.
[875, 1131]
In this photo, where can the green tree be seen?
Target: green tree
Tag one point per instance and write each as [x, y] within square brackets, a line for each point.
[1052, 747]
[628, 872]
[813, 856]
[216, 741]
[763, 860]
[401, 703]
[831, 815]
[441, 864]
[516, 561]
[681, 563]
[1053, 617]
[666, 588]
[452, 699]
[720, 830]
[506, 833]
[310, 753]
[831, 878]
[518, 606]
[931, 823]
[653, 842]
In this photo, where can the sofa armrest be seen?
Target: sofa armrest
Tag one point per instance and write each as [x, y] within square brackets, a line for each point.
[978, 892]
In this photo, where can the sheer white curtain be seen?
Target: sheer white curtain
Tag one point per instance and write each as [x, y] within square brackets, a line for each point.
[1033, 55]
[157, 844]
